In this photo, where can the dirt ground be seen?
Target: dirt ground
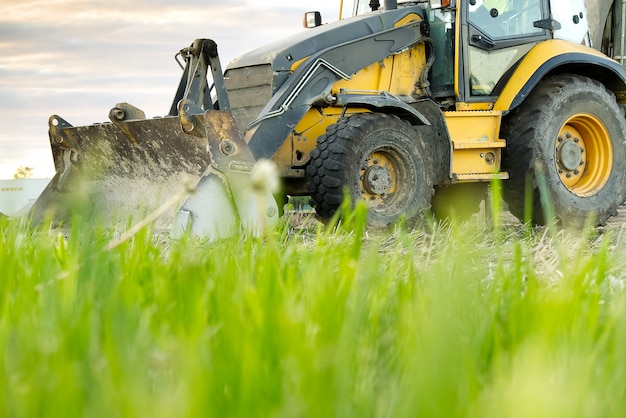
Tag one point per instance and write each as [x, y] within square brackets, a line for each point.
[614, 222]
[303, 218]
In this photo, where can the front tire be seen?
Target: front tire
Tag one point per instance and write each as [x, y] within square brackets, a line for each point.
[377, 158]
[570, 136]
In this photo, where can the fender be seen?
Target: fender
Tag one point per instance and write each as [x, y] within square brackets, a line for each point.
[559, 56]
[383, 102]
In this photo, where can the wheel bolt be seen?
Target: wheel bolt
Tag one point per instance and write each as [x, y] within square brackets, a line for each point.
[568, 135]
[576, 140]
[569, 175]
[576, 172]
[560, 139]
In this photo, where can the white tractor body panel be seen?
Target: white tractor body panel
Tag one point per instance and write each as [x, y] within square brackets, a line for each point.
[572, 16]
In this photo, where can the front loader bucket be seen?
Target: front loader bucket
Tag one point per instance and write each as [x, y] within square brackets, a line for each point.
[117, 170]
[130, 167]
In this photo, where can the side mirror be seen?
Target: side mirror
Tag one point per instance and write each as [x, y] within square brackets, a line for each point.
[312, 19]
[439, 4]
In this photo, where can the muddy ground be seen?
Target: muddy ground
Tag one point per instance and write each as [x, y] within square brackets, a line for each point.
[304, 217]
[614, 222]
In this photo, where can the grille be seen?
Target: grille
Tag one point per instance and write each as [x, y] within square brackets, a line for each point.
[249, 90]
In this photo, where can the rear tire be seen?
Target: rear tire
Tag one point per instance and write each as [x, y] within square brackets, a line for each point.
[377, 158]
[569, 135]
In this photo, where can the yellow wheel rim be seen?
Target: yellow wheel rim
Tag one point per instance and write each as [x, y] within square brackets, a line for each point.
[584, 155]
[378, 178]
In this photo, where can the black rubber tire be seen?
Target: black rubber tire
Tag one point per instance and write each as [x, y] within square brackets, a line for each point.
[459, 201]
[375, 157]
[540, 150]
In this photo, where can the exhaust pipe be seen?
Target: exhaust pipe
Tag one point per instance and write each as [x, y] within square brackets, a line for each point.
[390, 4]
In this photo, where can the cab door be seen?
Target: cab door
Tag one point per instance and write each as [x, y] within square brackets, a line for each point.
[494, 36]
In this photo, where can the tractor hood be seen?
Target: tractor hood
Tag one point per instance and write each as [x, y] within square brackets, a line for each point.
[283, 54]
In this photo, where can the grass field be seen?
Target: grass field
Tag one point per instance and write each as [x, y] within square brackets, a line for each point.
[467, 320]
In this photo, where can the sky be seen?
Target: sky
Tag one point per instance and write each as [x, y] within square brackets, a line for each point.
[78, 58]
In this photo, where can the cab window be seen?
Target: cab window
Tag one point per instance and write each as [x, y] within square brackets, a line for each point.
[505, 18]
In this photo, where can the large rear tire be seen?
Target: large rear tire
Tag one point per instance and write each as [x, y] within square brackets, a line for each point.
[377, 158]
[569, 135]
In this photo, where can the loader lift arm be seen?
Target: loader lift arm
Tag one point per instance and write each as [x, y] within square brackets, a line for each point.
[199, 58]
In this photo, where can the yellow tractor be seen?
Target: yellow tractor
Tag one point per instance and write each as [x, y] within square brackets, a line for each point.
[411, 107]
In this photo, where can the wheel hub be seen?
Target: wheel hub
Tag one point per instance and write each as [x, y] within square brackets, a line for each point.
[377, 180]
[570, 155]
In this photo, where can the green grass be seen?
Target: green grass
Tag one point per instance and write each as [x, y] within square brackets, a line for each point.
[451, 321]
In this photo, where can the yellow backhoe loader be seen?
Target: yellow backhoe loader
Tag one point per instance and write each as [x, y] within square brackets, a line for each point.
[412, 107]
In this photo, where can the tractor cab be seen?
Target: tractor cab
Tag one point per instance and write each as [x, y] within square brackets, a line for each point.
[492, 37]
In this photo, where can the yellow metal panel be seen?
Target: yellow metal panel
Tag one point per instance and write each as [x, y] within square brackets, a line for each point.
[296, 64]
[386, 75]
[476, 146]
[474, 127]
[407, 70]
[463, 106]
[369, 78]
[467, 178]
[283, 156]
[407, 66]
[537, 56]
[397, 74]
[408, 19]
[476, 161]
[296, 149]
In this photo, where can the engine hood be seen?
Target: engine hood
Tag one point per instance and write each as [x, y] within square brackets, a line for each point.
[284, 53]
